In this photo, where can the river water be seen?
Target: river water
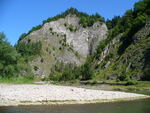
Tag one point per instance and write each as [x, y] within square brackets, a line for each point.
[140, 106]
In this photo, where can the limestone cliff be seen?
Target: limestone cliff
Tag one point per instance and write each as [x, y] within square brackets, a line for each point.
[65, 40]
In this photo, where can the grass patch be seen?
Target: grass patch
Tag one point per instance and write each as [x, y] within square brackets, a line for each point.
[16, 80]
[139, 84]
[140, 92]
[142, 87]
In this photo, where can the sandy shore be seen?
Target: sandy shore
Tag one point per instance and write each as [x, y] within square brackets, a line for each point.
[53, 94]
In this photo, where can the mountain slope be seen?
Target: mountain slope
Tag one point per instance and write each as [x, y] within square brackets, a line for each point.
[132, 64]
[125, 53]
[64, 40]
[75, 45]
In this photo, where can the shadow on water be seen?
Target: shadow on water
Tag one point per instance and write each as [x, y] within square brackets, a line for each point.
[140, 106]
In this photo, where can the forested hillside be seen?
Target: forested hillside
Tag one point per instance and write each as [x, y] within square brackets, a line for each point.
[124, 55]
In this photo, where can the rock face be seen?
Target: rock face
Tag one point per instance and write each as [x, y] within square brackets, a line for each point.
[65, 40]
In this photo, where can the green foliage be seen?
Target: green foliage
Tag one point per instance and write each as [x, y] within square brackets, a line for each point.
[15, 80]
[146, 74]
[128, 25]
[104, 74]
[142, 6]
[72, 28]
[9, 71]
[8, 58]
[112, 23]
[23, 68]
[36, 68]
[100, 48]
[123, 77]
[87, 21]
[131, 82]
[56, 76]
[86, 69]
[2, 37]
[29, 49]
[51, 29]
[64, 72]
[35, 28]
[65, 24]
[30, 76]
[22, 36]
[68, 72]
[12, 64]
[63, 15]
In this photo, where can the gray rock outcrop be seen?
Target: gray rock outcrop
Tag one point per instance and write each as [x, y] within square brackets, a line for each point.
[65, 40]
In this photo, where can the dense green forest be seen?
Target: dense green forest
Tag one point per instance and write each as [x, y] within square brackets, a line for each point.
[14, 61]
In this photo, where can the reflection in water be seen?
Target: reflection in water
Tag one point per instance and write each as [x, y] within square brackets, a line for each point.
[142, 106]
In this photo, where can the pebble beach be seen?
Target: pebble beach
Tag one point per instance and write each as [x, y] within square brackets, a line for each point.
[55, 94]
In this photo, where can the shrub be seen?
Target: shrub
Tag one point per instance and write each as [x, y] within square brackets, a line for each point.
[55, 76]
[30, 76]
[22, 36]
[9, 71]
[29, 49]
[87, 69]
[64, 72]
[89, 20]
[72, 28]
[100, 48]
[8, 58]
[36, 68]
[65, 24]
[35, 28]
[131, 82]
[123, 75]
[146, 74]
[51, 29]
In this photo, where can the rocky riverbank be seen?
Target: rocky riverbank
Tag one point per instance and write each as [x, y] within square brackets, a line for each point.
[53, 94]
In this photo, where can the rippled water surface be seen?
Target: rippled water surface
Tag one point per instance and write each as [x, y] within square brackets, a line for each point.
[141, 106]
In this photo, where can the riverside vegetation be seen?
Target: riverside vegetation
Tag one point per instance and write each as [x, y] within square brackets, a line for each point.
[123, 56]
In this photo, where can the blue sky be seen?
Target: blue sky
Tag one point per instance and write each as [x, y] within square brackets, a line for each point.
[19, 16]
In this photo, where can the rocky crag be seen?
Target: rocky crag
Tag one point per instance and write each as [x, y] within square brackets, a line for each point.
[65, 40]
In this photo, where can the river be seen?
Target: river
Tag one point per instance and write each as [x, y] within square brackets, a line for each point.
[139, 106]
